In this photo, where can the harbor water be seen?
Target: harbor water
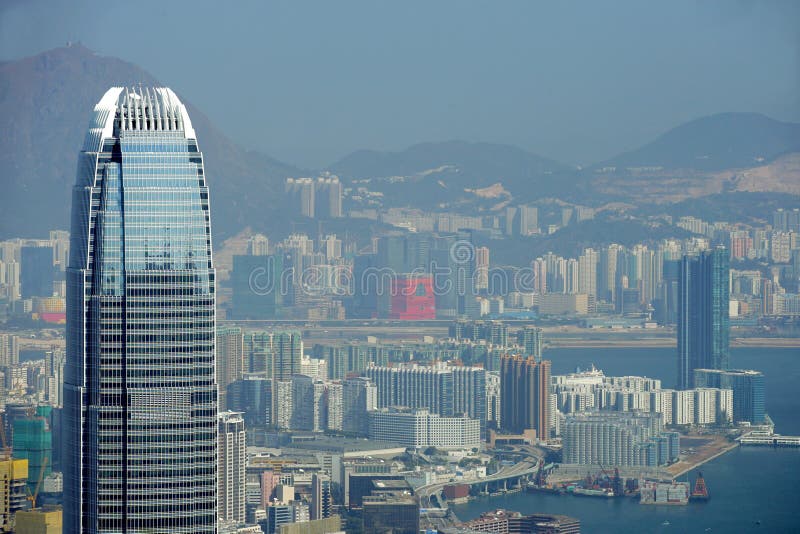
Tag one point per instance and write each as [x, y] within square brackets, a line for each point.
[753, 489]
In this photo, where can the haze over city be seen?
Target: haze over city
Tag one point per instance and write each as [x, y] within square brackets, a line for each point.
[399, 268]
[309, 82]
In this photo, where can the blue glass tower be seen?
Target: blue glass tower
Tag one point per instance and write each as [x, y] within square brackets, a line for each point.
[140, 408]
[703, 320]
[748, 391]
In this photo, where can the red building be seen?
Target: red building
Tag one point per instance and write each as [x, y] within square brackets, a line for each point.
[413, 298]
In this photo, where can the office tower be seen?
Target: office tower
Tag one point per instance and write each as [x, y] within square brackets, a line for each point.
[703, 321]
[391, 513]
[321, 497]
[231, 466]
[481, 268]
[359, 397]
[37, 271]
[230, 360]
[258, 286]
[530, 338]
[252, 396]
[140, 409]
[309, 404]
[287, 353]
[525, 390]
[257, 353]
[748, 391]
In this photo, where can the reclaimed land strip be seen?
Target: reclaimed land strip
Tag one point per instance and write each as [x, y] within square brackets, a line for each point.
[717, 446]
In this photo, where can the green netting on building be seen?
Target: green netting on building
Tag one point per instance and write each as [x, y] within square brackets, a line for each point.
[33, 441]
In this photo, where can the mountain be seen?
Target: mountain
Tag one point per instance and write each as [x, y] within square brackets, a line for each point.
[715, 143]
[46, 101]
[431, 173]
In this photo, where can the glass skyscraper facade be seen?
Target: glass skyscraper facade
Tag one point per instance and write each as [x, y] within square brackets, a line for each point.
[140, 407]
[703, 314]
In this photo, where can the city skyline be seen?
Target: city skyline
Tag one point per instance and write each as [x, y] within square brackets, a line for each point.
[504, 256]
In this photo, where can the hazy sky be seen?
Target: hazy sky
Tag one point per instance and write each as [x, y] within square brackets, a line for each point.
[308, 82]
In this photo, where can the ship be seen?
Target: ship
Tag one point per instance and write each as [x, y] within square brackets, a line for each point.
[700, 491]
[666, 493]
[533, 488]
[590, 492]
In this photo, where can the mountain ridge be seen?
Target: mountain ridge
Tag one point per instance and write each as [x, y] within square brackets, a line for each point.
[46, 101]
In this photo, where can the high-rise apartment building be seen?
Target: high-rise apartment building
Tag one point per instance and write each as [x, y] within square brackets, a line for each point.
[481, 268]
[140, 393]
[747, 387]
[703, 321]
[232, 463]
[525, 395]
[530, 338]
[359, 397]
[414, 386]
[230, 360]
[287, 351]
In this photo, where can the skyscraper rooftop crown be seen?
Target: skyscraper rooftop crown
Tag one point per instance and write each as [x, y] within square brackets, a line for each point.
[131, 109]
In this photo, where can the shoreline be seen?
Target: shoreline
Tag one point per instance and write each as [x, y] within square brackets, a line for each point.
[746, 342]
[695, 465]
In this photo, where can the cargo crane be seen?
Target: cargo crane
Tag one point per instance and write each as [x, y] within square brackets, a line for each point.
[700, 491]
[615, 481]
[32, 496]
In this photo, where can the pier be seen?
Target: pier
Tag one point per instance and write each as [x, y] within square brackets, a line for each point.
[769, 439]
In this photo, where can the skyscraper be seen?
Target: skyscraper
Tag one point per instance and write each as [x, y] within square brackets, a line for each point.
[530, 338]
[703, 321]
[230, 360]
[232, 463]
[525, 390]
[140, 407]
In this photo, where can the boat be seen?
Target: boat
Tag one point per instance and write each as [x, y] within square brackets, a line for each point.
[533, 488]
[586, 492]
[700, 490]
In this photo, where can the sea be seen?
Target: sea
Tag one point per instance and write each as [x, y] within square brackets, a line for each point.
[753, 489]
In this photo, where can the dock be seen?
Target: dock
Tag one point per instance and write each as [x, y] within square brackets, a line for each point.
[769, 439]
